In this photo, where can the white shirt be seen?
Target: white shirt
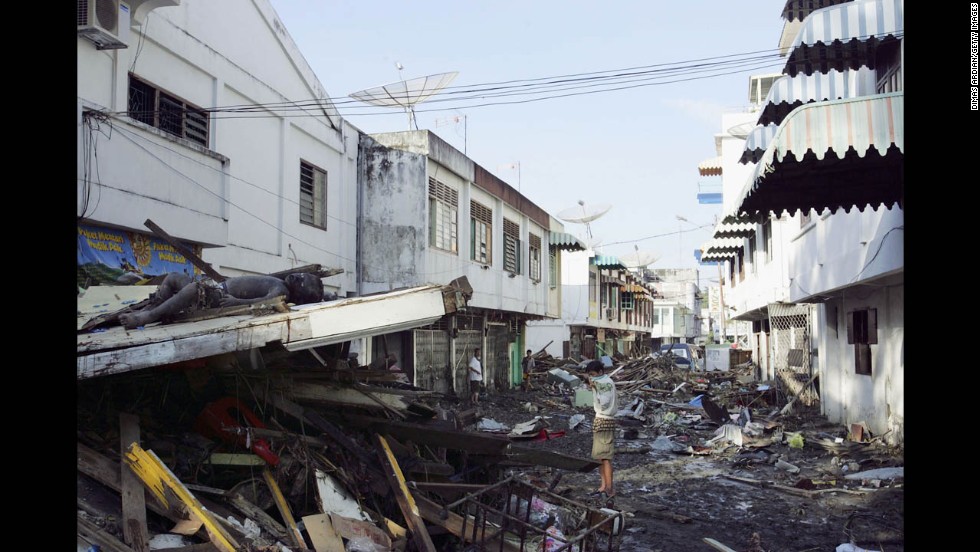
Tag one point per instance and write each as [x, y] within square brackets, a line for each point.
[475, 365]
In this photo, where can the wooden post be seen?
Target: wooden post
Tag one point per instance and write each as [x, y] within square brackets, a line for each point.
[287, 515]
[191, 256]
[133, 494]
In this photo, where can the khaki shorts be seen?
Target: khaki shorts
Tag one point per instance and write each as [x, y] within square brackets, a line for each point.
[602, 444]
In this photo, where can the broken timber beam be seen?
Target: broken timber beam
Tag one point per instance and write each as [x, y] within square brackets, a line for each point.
[287, 515]
[427, 434]
[191, 256]
[404, 498]
[135, 532]
[96, 535]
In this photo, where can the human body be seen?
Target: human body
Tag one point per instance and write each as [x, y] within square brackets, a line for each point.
[604, 424]
[476, 376]
[179, 292]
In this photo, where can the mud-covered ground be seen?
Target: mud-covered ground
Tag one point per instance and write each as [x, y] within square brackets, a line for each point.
[673, 500]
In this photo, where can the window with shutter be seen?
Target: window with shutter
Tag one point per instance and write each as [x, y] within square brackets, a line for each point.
[481, 226]
[443, 216]
[512, 247]
[157, 108]
[312, 195]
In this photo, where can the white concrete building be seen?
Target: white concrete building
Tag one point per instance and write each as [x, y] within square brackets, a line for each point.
[818, 258]
[429, 214]
[219, 133]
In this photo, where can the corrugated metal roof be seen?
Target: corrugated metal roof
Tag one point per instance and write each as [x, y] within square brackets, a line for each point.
[565, 242]
[710, 167]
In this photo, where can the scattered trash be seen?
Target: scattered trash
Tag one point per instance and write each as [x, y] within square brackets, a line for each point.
[794, 440]
[486, 424]
[728, 433]
[168, 540]
[696, 401]
[848, 547]
[878, 473]
[787, 466]
[575, 420]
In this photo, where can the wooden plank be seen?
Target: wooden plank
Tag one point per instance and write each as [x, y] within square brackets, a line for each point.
[539, 457]
[135, 532]
[354, 528]
[287, 515]
[96, 535]
[191, 256]
[322, 534]
[235, 459]
[256, 514]
[158, 479]
[108, 473]
[430, 435]
[404, 498]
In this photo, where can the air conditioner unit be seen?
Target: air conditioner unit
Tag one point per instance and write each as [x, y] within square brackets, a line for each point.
[102, 22]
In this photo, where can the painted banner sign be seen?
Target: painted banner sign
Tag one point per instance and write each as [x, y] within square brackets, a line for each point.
[117, 257]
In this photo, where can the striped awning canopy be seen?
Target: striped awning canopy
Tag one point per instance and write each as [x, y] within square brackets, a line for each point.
[606, 261]
[756, 143]
[565, 242]
[633, 288]
[788, 93]
[742, 229]
[845, 36]
[717, 245]
[830, 155]
[710, 167]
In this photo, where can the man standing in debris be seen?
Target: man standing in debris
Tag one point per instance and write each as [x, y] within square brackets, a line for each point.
[527, 364]
[604, 425]
[476, 376]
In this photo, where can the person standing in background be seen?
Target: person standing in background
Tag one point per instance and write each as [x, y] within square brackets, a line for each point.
[604, 425]
[476, 376]
[527, 364]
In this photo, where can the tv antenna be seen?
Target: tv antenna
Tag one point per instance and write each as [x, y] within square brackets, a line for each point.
[406, 94]
[583, 214]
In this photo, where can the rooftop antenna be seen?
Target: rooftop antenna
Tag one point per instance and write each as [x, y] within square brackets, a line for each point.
[583, 214]
[406, 94]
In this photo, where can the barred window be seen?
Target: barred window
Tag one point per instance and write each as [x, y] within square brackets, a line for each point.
[512, 247]
[312, 195]
[552, 270]
[534, 257]
[443, 216]
[481, 226]
[152, 106]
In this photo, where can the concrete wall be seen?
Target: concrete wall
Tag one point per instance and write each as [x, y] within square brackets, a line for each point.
[841, 249]
[878, 399]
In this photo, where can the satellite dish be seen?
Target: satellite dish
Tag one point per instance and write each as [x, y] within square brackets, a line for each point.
[406, 94]
[741, 130]
[584, 215]
[640, 259]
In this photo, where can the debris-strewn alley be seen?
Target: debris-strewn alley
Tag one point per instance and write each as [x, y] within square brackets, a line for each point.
[306, 452]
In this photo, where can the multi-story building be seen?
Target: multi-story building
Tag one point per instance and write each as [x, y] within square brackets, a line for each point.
[606, 308]
[676, 305]
[219, 134]
[818, 261]
[429, 214]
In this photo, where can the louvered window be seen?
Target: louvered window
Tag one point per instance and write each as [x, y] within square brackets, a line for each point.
[150, 105]
[312, 195]
[512, 247]
[481, 226]
[443, 216]
[534, 257]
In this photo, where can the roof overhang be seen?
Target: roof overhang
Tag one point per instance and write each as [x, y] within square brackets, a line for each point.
[118, 350]
[565, 242]
[845, 36]
[831, 155]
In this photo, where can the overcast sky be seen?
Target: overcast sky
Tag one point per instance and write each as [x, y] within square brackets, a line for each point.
[541, 86]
